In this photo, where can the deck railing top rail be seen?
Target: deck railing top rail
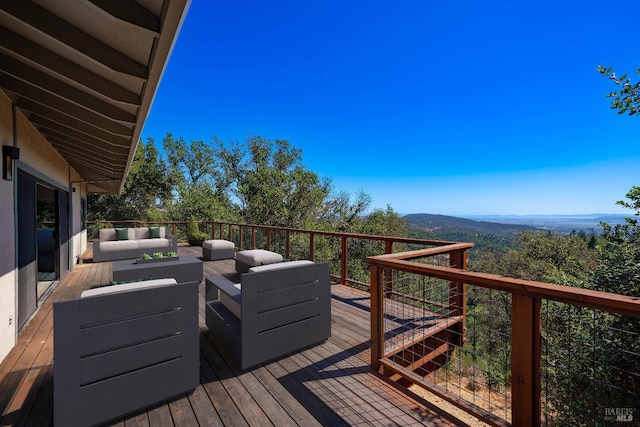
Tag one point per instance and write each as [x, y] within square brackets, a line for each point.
[621, 304]
[395, 239]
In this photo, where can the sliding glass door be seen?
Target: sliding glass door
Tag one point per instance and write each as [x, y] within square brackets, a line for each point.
[27, 249]
[43, 241]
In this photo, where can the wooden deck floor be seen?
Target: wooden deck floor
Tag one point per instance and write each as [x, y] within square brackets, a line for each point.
[328, 384]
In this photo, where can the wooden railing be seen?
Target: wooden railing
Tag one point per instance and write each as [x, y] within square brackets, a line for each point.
[236, 232]
[526, 298]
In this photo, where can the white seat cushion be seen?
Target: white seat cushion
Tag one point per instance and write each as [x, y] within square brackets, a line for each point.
[218, 244]
[118, 245]
[256, 257]
[153, 243]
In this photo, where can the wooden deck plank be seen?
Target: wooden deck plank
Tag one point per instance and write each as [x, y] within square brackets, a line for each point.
[138, 420]
[299, 385]
[203, 408]
[181, 412]
[250, 410]
[295, 410]
[225, 408]
[25, 396]
[262, 396]
[328, 384]
[160, 416]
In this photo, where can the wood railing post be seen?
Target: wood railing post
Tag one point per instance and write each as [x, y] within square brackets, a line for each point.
[345, 259]
[175, 229]
[525, 360]
[377, 317]
[253, 237]
[268, 239]
[457, 290]
[288, 249]
[388, 275]
[458, 295]
[240, 237]
[312, 247]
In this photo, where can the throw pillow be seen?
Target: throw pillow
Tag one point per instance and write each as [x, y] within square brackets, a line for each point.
[122, 233]
[154, 232]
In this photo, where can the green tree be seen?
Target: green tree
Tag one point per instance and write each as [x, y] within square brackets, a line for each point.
[146, 191]
[200, 183]
[604, 347]
[627, 98]
[271, 184]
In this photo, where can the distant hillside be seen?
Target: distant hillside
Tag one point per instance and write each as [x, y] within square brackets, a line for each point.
[433, 223]
[485, 235]
[563, 223]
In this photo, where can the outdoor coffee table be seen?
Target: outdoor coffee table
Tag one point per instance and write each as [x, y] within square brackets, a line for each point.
[185, 269]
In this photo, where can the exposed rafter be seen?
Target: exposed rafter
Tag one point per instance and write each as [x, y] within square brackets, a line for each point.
[63, 32]
[48, 100]
[84, 73]
[130, 12]
[37, 54]
[57, 87]
[41, 121]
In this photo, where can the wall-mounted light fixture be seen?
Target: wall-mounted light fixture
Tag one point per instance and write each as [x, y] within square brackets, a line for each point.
[9, 154]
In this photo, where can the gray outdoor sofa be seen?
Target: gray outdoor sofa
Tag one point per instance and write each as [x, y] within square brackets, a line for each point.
[122, 348]
[107, 247]
[275, 310]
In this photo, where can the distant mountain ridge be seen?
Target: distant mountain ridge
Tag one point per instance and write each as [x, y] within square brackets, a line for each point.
[562, 223]
[432, 223]
[502, 233]
[485, 235]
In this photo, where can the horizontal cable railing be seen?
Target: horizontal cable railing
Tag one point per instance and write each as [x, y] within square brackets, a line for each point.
[508, 351]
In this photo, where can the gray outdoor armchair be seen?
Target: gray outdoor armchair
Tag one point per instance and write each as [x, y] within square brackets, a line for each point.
[275, 310]
[123, 348]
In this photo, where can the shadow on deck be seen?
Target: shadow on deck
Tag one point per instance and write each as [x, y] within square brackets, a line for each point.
[328, 384]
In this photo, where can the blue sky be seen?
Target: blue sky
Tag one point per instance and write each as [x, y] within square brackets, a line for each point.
[455, 108]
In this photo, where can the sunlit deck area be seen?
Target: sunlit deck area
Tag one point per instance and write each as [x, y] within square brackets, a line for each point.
[328, 384]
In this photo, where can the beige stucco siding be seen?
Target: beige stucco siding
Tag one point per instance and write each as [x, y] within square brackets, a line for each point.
[36, 155]
[7, 228]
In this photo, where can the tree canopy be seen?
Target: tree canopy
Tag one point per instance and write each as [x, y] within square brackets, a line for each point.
[259, 181]
[627, 98]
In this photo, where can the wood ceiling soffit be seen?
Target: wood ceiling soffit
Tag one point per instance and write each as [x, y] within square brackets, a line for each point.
[78, 163]
[78, 160]
[53, 102]
[131, 12]
[62, 31]
[44, 122]
[44, 112]
[36, 78]
[91, 175]
[43, 57]
[114, 159]
[81, 139]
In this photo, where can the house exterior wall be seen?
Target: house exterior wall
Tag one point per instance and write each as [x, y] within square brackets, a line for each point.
[78, 235]
[39, 158]
[8, 271]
